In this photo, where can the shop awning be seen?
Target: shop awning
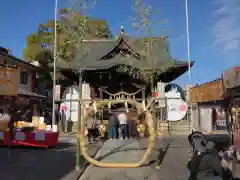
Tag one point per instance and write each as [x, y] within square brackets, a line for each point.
[24, 92]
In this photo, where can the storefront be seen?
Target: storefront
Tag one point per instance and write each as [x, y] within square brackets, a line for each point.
[209, 106]
[12, 96]
[231, 79]
[31, 104]
[9, 84]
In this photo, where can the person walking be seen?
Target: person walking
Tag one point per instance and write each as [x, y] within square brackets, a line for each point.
[112, 127]
[13, 115]
[122, 119]
[90, 127]
[46, 118]
[63, 119]
[214, 119]
[132, 118]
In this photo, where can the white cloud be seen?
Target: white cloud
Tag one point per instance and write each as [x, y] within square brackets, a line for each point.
[226, 28]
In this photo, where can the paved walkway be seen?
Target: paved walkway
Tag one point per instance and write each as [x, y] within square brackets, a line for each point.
[173, 164]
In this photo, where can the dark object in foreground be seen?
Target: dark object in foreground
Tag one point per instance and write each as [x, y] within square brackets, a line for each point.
[206, 161]
[221, 141]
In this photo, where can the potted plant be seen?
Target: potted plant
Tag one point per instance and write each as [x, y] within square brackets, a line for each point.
[141, 130]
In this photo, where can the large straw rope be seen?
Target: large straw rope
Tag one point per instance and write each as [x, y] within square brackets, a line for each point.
[152, 137]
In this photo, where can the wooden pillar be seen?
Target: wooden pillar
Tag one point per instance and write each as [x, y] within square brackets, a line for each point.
[143, 93]
[199, 117]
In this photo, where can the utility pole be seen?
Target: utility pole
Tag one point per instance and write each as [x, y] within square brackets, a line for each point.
[189, 64]
[54, 63]
[152, 64]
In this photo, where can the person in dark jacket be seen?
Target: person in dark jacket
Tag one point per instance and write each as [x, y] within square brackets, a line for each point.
[205, 163]
[14, 116]
[46, 118]
[63, 119]
[112, 126]
[91, 127]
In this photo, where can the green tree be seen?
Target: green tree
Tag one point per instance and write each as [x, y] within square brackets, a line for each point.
[70, 27]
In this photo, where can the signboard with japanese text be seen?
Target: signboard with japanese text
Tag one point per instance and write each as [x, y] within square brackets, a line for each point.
[232, 77]
[57, 92]
[210, 91]
[9, 81]
[176, 106]
[161, 94]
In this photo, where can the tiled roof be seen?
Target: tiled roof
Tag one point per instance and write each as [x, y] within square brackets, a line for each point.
[91, 55]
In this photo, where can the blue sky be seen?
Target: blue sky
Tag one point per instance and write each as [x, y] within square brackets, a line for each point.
[214, 28]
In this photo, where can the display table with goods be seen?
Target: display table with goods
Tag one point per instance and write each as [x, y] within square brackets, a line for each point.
[26, 134]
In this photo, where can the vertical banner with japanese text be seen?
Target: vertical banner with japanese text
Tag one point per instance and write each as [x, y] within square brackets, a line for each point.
[9, 81]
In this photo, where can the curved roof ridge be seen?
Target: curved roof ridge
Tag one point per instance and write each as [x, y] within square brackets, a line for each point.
[118, 41]
[131, 46]
[129, 42]
[110, 44]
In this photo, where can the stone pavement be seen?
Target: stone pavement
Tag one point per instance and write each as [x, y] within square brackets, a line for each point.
[47, 164]
[173, 164]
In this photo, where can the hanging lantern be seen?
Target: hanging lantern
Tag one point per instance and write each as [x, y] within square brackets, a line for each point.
[126, 106]
[94, 107]
[143, 105]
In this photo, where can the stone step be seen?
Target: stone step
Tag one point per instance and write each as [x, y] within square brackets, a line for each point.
[177, 127]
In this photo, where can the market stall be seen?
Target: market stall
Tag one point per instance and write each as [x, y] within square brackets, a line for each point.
[37, 138]
[24, 133]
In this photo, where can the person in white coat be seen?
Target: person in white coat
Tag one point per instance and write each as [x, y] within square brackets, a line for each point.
[122, 118]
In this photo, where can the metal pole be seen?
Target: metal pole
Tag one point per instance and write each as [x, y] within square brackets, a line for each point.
[152, 61]
[152, 64]
[54, 62]
[78, 153]
[189, 62]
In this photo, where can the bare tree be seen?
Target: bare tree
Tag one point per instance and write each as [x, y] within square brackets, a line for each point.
[143, 22]
[78, 26]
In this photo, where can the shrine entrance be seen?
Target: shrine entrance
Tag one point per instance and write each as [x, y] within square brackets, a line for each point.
[127, 102]
[110, 63]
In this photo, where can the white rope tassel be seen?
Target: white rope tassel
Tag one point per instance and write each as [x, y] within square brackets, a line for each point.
[109, 106]
[87, 105]
[126, 106]
[94, 107]
[143, 105]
